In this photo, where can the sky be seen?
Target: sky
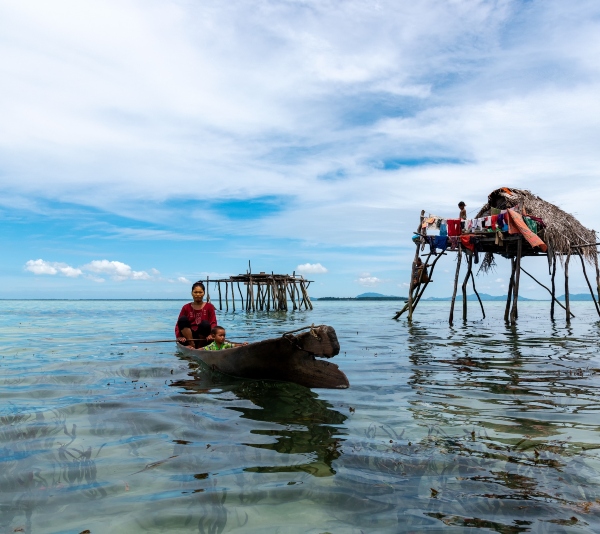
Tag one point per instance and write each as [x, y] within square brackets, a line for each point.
[148, 144]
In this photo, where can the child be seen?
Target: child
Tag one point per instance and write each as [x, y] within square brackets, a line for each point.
[219, 343]
[463, 216]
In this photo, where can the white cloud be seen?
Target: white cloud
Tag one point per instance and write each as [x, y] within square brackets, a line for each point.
[183, 280]
[311, 268]
[47, 267]
[115, 269]
[369, 281]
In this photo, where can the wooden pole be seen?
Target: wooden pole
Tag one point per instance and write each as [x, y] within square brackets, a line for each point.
[227, 296]
[554, 299]
[292, 290]
[207, 290]
[412, 285]
[251, 286]
[597, 275]
[553, 292]
[241, 296]
[567, 306]
[220, 303]
[458, 261]
[305, 293]
[420, 291]
[511, 285]
[588, 281]
[514, 313]
[464, 285]
[478, 298]
[232, 296]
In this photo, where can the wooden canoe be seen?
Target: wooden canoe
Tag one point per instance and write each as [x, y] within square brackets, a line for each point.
[289, 358]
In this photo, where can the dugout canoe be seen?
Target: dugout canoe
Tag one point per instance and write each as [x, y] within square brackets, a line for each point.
[293, 357]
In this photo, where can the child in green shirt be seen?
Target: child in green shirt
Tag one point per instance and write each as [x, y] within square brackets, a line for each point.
[219, 343]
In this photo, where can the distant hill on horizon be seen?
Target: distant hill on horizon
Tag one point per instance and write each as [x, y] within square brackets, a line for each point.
[364, 296]
[484, 298]
[577, 296]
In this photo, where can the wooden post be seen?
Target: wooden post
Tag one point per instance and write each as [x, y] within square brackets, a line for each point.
[220, 303]
[464, 285]
[292, 290]
[511, 285]
[514, 313]
[597, 275]
[241, 296]
[232, 296]
[305, 293]
[207, 290]
[227, 296]
[458, 260]
[251, 288]
[553, 292]
[588, 281]
[478, 298]
[411, 285]
[567, 307]
[553, 298]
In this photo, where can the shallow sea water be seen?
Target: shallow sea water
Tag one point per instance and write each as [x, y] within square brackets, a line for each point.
[444, 429]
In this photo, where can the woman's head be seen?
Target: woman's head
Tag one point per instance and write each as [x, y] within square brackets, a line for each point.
[198, 291]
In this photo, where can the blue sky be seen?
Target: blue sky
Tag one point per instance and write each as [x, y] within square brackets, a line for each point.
[146, 144]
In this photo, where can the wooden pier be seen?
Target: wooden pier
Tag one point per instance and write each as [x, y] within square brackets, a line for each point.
[262, 292]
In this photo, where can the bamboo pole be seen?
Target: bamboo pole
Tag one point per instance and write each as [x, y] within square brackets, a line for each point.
[478, 298]
[464, 285]
[511, 285]
[458, 261]
[411, 286]
[553, 292]
[220, 303]
[421, 289]
[514, 313]
[597, 275]
[241, 296]
[554, 299]
[567, 306]
[588, 281]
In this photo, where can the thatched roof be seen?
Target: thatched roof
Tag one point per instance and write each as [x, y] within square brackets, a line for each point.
[562, 229]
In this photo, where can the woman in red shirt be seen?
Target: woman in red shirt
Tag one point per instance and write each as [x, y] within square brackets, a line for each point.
[196, 320]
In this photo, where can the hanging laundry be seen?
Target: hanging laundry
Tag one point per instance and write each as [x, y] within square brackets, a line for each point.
[454, 242]
[440, 242]
[466, 242]
[443, 228]
[453, 227]
[494, 221]
[477, 247]
[518, 226]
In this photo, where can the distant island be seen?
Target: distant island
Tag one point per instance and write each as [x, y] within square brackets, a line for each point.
[364, 296]
[484, 297]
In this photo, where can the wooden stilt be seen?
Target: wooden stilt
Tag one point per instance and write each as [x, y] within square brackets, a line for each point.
[251, 286]
[220, 303]
[232, 296]
[305, 293]
[207, 290]
[464, 285]
[553, 298]
[511, 285]
[478, 298]
[514, 312]
[553, 292]
[412, 276]
[597, 276]
[567, 304]
[458, 260]
[241, 296]
[292, 290]
[226, 296]
[588, 281]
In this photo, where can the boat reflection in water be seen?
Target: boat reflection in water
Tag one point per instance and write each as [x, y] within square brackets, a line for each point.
[305, 424]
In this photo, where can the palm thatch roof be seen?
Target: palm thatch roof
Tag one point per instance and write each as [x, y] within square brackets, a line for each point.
[562, 232]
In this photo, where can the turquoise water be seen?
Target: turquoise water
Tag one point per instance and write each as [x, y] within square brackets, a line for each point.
[443, 429]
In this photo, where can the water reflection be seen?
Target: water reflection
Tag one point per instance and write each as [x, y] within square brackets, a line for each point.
[306, 424]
